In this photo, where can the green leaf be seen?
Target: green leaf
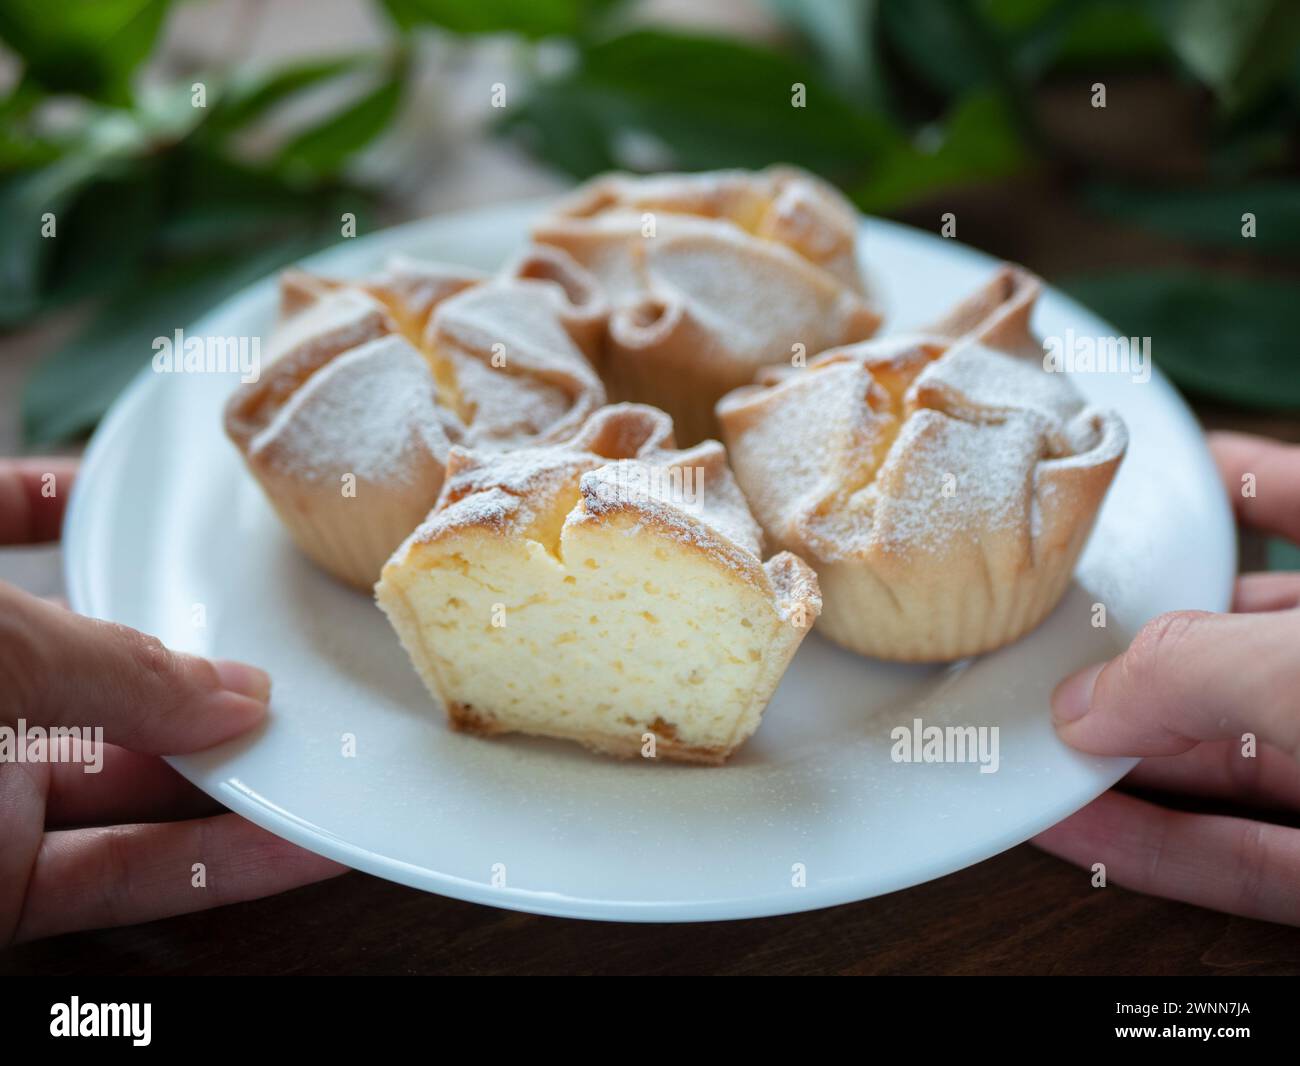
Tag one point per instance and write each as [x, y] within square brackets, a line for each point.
[565, 127]
[101, 236]
[25, 200]
[705, 101]
[957, 46]
[1226, 337]
[978, 142]
[1240, 48]
[87, 47]
[108, 150]
[1257, 142]
[22, 148]
[21, 152]
[961, 52]
[1083, 34]
[323, 149]
[1047, 34]
[842, 35]
[934, 41]
[71, 390]
[1209, 216]
[249, 97]
[218, 205]
[528, 18]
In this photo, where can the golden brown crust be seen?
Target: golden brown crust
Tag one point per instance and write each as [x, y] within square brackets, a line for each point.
[615, 469]
[481, 723]
[997, 314]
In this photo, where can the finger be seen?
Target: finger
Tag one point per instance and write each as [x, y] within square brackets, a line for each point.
[60, 668]
[126, 787]
[1266, 592]
[33, 494]
[1268, 779]
[1262, 478]
[94, 878]
[22, 805]
[1188, 677]
[1227, 864]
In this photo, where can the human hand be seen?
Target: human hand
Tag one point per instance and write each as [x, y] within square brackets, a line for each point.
[1188, 695]
[85, 850]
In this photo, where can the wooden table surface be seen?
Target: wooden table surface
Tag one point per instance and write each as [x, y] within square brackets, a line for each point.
[1022, 912]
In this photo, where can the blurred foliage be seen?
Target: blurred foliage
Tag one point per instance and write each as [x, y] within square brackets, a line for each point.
[86, 47]
[1208, 215]
[162, 207]
[532, 19]
[705, 102]
[1283, 555]
[1233, 338]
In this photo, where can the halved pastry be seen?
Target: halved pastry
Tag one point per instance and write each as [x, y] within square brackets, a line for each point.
[609, 590]
[942, 490]
[710, 277]
[370, 382]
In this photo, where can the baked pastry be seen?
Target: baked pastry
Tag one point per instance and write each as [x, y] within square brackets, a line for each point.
[369, 383]
[599, 590]
[942, 489]
[997, 314]
[710, 277]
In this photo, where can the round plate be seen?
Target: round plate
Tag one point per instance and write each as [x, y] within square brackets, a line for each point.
[811, 812]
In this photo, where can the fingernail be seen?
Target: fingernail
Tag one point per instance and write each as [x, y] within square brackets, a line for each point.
[244, 679]
[1073, 696]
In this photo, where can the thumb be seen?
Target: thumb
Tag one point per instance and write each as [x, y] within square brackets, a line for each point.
[60, 668]
[1187, 677]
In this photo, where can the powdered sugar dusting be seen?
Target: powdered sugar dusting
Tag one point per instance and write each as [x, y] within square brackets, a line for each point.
[747, 264]
[804, 439]
[947, 478]
[979, 384]
[954, 450]
[418, 287]
[385, 386]
[692, 494]
[518, 371]
[754, 298]
[352, 403]
[339, 319]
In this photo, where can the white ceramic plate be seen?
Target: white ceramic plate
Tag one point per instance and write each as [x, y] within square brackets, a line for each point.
[165, 517]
